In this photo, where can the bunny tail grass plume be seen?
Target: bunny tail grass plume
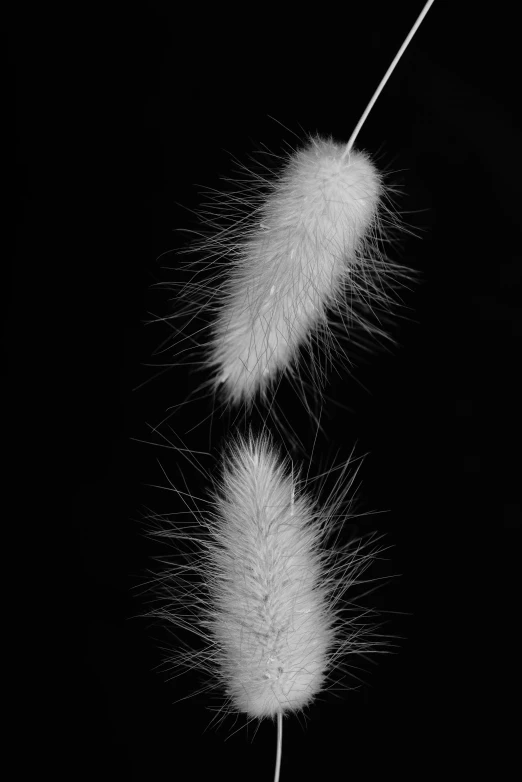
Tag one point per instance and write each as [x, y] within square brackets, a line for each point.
[270, 601]
[300, 246]
[270, 619]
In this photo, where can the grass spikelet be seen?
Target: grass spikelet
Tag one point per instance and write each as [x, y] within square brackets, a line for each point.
[269, 614]
[266, 586]
[292, 255]
[292, 266]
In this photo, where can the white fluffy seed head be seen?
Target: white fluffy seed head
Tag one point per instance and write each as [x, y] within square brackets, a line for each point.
[270, 619]
[290, 270]
[265, 583]
[290, 261]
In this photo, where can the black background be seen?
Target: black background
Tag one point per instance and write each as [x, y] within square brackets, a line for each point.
[120, 121]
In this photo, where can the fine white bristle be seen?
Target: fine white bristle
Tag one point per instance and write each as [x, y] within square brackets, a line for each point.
[273, 603]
